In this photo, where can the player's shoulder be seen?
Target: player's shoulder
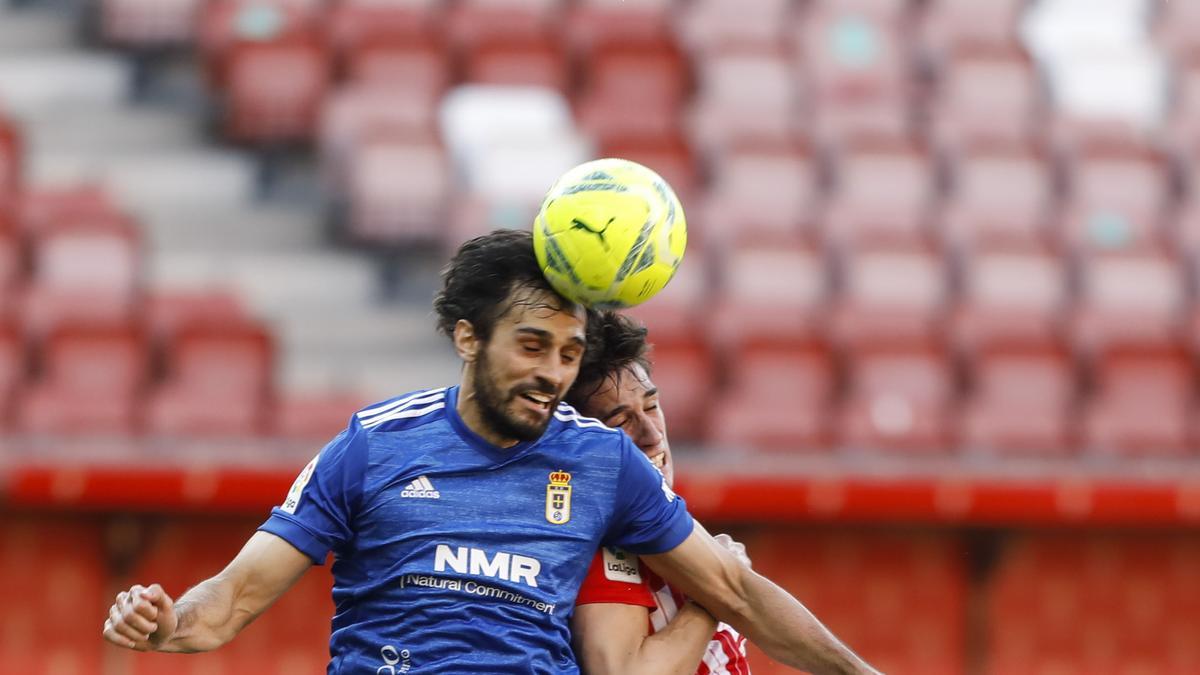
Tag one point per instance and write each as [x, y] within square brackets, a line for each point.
[575, 423]
[400, 413]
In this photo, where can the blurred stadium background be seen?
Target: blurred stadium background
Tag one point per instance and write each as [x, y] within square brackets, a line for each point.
[932, 354]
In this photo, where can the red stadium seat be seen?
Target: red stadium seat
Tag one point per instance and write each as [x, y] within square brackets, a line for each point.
[901, 600]
[12, 258]
[384, 209]
[763, 194]
[1129, 299]
[225, 25]
[855, 57]
[473, 21]
[517, 62]
[769, 293]
[91, 379]
[890, 293]
[42, 209]
[999, 196]
[687, 371]
[1184, 114]
[654, 76]
[354, 114]
[1022, 400]
[416, 67]
[11, 158]
[778, 399]
[315, 417]
[595, 26]
[712, 25]
[747, 96]
[898, 399]
[948, 26]
[274, 92]
[149, 23]
[56, 565]
[1010, 295]
[987, 96]
[669, 156]
[1116, 202]
[88, 252]
[1143, 404]
[679, 313]
[882, 196]
[169, 312]
[12, 368]
[357, 25]
[219, 378]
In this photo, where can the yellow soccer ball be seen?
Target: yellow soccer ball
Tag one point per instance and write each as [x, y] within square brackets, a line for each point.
[610, 234]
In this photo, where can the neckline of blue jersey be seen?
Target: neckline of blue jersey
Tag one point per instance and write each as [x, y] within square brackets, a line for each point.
[479, 442]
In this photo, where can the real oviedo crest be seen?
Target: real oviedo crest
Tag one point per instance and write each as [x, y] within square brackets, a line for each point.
[558, 498]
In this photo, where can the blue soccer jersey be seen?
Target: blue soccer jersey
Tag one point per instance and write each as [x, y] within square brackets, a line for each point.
[453, 555]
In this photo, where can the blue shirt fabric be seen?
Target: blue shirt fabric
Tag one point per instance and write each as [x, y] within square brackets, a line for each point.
[453, 555]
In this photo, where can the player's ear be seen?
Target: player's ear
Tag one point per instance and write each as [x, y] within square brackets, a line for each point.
[466, 342]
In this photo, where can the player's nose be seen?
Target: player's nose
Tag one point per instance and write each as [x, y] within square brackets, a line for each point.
[649, 438]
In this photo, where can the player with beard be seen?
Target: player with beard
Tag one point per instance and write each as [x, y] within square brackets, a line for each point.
[462, 520]
[627, 619]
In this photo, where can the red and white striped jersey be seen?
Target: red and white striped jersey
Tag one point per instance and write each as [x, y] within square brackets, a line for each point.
[619, 577]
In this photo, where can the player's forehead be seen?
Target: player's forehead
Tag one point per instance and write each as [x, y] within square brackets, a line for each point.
[629, 385]
[537, 311]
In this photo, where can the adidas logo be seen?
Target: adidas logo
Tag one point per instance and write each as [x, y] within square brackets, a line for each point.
[421, 488]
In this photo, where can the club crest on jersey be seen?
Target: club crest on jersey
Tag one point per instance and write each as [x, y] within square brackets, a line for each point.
[558, 498]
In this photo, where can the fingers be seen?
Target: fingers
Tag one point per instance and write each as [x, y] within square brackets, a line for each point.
[131, 620]
[155, 595]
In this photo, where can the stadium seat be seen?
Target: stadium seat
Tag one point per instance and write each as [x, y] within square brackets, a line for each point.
[44, 208]
[1021, 401]
[882, 196]
[218, 381]
[855, 58]
[11, 158]
[1085, 603]
[670, 156]
[900, 599]
[1010, 294]
[1143, 403]
[778, 399]
[998, 196]
[354, 113]
[898, 399]
[225, 25]
[386, 210]
[679, 313]
[947, 26]
[356, 26]
[169, 311]
[1129, 299]
[745, 96]
[13, 362]
[149, 23]
[56, 565]
[889, 293]
[763, 194]
[769, 292]
[709, 26]
[1116, 201]
[653, 76]
[416, 67]
[517, 62]
[1184, 112]
[472, 21]
[92, 252]
[687, 371]
[91, 379]
[274, 92]
[596, 26]
[12, 258]
[986, 96]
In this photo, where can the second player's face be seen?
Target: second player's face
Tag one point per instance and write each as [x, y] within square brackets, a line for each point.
[528, 364]
[629, 401]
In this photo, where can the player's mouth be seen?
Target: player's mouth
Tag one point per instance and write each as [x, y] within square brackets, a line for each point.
[659, 460]
[538, 401]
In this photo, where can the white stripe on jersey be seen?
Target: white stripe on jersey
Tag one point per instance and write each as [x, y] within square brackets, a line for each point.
[715, 658]
[405, 413]
[581, 421]
[386, 407]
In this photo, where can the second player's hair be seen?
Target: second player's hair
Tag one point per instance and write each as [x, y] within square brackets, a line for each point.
[480, 277]
[615, 344]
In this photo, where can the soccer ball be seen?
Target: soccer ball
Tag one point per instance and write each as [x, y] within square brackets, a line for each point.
[610, 234]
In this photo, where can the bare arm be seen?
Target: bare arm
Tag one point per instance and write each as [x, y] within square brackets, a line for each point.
[214, 611]
[764, 612]
[615, 638]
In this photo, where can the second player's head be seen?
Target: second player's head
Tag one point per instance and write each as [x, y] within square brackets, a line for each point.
[614, 386]
[521, 343]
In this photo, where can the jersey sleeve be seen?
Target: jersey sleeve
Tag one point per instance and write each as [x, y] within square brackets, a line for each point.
[315, 516]
[649, 518]
[628, 588]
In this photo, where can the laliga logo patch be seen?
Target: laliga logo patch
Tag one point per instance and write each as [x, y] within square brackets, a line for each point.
[558, 498]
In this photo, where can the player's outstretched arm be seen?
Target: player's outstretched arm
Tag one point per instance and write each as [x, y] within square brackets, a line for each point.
[212, 612]
[769, 616]
[612, 638]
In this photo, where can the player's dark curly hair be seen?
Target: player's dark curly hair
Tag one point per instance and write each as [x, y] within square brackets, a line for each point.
[615, 343]
[480, 276]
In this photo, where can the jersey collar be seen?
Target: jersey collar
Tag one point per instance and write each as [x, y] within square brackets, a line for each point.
[476, 441]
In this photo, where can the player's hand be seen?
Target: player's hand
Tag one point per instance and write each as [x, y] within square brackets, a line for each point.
[142, 618]
[735, 547]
